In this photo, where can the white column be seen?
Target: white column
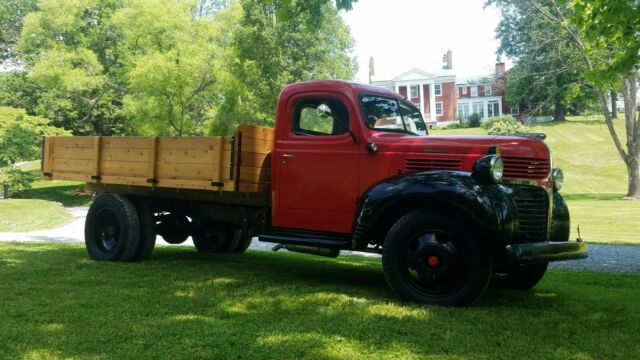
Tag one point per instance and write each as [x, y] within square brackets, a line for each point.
[421, 91]
[397, 87]
[500, 105]
[486, 109]
[432, 101]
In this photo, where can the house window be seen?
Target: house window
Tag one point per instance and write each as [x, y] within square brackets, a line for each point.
[464, 90]
[474, 91]
[487, 90]
[414, 91]
[515, 110]
[439, 108]
[437, 89]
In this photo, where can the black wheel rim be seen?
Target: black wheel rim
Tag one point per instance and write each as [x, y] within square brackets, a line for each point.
[107, 231]
[436, 263]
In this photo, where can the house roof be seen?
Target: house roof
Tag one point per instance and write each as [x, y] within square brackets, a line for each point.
[475, 79]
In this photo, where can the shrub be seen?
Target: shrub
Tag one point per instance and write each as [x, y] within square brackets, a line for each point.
[456, 125]
[489, 123]
[506, 125]
[16, 179]
[474, 120]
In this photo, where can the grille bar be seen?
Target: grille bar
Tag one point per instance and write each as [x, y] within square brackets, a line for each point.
[432, 164]
[532, 205]
[525, 168]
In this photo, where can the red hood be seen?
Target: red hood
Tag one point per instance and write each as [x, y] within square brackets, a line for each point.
[524, 157]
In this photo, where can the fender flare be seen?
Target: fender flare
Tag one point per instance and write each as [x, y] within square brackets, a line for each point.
[487, 206]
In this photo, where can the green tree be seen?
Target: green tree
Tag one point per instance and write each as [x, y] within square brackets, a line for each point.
[263, 53]
[12, 13]
[605, 35]
[548, 77]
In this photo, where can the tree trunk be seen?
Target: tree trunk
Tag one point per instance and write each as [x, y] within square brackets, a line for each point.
[559, 112]
[5, 191]
[634, 178]
[614, 107]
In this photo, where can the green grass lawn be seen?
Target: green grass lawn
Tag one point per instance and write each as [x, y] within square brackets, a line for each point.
[31, 214]
[56, 303]
[595, 178]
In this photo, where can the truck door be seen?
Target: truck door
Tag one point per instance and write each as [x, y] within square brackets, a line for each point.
[315, 162]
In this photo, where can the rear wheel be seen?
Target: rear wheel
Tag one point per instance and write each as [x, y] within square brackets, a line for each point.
[147, 231]
[428, 258]
[222, 238]
[174, 229]
[112, 228]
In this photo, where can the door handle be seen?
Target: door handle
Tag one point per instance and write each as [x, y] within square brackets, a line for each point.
[286, 157]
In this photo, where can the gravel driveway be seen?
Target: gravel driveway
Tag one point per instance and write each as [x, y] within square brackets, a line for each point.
[613, 258]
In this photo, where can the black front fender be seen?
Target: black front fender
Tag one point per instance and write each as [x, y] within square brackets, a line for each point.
[486, 206]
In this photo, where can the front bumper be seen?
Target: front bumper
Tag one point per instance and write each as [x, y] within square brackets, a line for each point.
[541, 252]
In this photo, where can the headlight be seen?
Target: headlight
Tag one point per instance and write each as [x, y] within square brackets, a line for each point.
[558, 178]
[488, 169]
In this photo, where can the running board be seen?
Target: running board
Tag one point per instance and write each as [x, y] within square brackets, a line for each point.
[291, 240]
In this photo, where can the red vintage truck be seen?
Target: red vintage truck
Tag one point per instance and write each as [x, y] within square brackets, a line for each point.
[347, 167]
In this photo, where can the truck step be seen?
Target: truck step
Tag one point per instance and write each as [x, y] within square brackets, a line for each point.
[291, 240]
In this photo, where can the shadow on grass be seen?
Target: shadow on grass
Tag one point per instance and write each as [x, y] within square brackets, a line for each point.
[67, 195]
[182, 304]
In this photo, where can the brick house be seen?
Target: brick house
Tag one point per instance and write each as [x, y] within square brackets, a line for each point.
[444, 97]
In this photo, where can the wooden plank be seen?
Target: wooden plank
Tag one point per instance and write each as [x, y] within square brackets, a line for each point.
[185, 171]
[124, 168]
[47, 155]
[252, 174]
[217, 161]
[128, 142]
[193, 156]
[72, 166]
[253, 145]
[71, 177]
[129, 155]
[74, 141]
[152, 160]
[63, 152]
[187, 184]
[97, 149]
[186, 143]
[124, 180]
[256, 132]
[249, 159]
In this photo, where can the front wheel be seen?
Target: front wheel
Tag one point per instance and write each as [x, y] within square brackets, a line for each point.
[428, 258]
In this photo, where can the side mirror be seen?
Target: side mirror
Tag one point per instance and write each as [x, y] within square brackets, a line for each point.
[323, 110]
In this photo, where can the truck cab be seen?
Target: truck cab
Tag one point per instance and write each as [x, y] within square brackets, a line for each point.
[353, 167]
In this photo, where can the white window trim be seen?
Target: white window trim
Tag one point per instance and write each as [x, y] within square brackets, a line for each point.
[417, 87]
[441, 108]
[435, 89]
[517, 110]
[476, 91]
[488, 93]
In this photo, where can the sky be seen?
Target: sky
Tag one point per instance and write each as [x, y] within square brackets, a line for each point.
[403, 34]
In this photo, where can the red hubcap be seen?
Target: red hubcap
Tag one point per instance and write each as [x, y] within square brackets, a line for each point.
[433, 261]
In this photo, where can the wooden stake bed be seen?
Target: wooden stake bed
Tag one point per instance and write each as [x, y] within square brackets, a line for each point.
[241, 163]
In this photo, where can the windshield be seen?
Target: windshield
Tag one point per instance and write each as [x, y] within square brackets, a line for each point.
[389, 114]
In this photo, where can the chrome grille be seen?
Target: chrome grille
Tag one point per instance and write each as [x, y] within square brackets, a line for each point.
[426, 164]
[532, 204]
[525, 168]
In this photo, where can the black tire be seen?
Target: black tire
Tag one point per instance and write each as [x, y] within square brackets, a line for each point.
[210, 242]
[520, 277]
[243, 245]
[147, 231]
[112, 228]
[428, 258]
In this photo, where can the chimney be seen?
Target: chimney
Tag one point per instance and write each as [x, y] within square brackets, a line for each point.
[447, 60]
[500, 68]
[372, 70]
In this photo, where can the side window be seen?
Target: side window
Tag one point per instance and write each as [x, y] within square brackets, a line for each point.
[320, 117]
[381, 113]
